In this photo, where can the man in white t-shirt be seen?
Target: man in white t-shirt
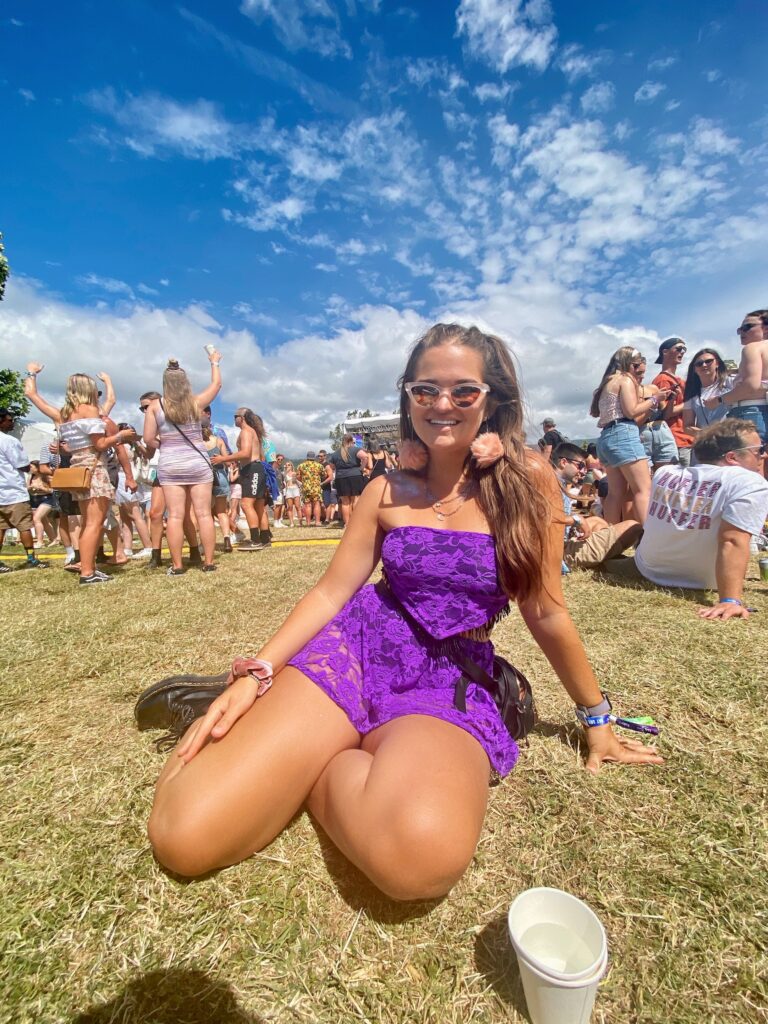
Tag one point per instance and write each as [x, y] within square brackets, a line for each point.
[15, 510]
[701, 518]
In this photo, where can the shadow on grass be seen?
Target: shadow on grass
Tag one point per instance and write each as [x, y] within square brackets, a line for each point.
[171, 997]
[495, 960]
[359, 893]
[620, 572]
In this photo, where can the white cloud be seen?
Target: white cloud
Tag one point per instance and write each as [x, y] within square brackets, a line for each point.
[146, 290]
[648, 92]
[27, 95]
[327, 268]
[598, 98]
[490, 91]
[246, 312]
[154, 125]
[508, 33]
[105, 284]
[713, 76]
[671, 105]
[301, 24]
[663, 63]
[575, 63]
[505, 137]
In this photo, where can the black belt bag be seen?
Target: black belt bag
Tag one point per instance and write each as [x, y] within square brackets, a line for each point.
[512, 693]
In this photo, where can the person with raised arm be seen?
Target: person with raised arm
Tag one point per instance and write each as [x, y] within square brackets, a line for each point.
[184, 468]
[87, 437]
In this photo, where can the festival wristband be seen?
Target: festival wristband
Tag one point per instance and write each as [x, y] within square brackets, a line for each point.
[730, 600]
[643, 724]
[590, 721]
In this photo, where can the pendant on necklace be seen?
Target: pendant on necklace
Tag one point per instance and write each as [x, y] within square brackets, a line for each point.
[440, 516]
[436, 505]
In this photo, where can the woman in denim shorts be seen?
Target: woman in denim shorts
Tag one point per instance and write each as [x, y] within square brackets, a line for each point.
[616, 403]
[657, 439]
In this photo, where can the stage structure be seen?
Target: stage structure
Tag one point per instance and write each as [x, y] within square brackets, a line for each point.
[385, 429]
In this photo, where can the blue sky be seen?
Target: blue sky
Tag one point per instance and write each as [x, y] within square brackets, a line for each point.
[310, 183]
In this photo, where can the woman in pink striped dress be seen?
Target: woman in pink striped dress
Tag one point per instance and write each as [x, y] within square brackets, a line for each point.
[184, 470]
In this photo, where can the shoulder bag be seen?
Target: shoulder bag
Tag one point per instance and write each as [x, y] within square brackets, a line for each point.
[73, 478]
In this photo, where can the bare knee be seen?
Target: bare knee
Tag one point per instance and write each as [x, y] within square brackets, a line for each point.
[422, 856]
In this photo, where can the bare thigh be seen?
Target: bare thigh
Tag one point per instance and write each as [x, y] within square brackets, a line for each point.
[239, 792]
[408, 807]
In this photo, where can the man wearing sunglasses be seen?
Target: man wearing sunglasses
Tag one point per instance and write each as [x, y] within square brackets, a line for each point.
[671, 354]
[701, 518]
[589, 541]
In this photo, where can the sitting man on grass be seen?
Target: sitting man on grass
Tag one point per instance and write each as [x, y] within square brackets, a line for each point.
[588, 541]
[701, 518]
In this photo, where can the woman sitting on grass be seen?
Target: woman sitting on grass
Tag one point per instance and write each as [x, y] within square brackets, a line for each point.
[362, 723]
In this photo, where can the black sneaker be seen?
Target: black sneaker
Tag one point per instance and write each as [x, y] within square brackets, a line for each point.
[250, 545]
[210, 568]
[195, 558]
[35, 563]
[174, 572]
[97, 577]
[5, 568]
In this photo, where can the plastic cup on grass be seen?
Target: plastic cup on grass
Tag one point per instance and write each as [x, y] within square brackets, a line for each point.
[557, 934]
[555, 1001]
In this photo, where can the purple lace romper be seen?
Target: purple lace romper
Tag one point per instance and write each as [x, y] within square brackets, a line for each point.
[376, 666]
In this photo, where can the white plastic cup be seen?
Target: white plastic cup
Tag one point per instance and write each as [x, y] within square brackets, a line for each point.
[557, 934]
[555, 1001]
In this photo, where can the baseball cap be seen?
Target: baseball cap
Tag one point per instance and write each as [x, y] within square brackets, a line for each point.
[311, 455]
[667, 343]
[548, 422]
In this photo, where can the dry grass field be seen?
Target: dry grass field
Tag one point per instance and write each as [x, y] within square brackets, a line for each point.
[674, 859]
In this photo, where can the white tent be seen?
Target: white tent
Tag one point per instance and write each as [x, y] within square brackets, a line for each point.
[33, 436]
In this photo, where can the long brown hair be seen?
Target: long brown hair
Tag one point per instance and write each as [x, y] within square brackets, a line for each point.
[179, 404]
[346, 443]
[620, 362]
[81, 390]
[507, 492]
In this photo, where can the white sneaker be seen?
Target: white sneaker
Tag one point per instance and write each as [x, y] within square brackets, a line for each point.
[144, 553]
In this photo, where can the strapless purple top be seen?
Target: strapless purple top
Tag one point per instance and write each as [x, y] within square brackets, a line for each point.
[377, 666]
[446, 579]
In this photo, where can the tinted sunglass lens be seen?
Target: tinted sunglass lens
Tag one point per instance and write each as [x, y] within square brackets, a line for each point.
[465, 395]
[425, 394]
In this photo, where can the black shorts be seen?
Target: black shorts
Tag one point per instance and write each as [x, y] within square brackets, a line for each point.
[350, 486]
[68, 505]
[253, 479]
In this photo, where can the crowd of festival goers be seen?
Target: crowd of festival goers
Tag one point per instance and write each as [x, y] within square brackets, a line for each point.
[678, 468]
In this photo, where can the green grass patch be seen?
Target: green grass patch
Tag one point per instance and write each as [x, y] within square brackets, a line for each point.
[674, 859]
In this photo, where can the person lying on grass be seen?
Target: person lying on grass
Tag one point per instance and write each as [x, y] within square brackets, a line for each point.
[362, 724]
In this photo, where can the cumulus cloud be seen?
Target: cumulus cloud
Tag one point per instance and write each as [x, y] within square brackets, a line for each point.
[575, 63]
[490, 91]
[648, 92]
[27, 95]
[508, 33]
[598, 98]
[301, 24]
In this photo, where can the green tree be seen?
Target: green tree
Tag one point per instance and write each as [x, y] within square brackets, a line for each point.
[12, 395]
[335, 435]
[4, 268]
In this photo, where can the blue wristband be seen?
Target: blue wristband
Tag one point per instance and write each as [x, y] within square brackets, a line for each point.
[592, 720]
[729, 600]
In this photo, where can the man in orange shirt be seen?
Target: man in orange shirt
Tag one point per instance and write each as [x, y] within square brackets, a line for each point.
[671, 353]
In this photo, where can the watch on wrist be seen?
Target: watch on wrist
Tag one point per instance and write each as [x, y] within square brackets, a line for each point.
[598, 714]
[30, 374]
